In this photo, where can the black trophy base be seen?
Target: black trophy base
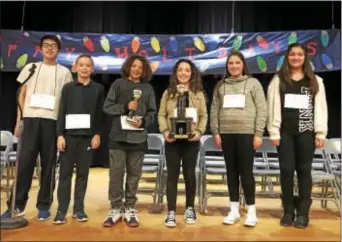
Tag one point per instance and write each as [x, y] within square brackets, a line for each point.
[181, 128]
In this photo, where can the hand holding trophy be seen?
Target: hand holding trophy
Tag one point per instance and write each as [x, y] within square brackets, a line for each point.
[181, 125]
[133, 106]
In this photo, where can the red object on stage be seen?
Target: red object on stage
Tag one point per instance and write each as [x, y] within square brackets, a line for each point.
[262, 42]
[89, 44]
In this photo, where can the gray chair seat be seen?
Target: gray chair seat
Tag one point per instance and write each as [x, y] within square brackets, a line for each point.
[149, 169]
[217, 171]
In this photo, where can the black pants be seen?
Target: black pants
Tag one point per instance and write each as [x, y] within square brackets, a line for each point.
[296, 153]
[39, 136]
[78, 150]
[175, 152]
[239, 157]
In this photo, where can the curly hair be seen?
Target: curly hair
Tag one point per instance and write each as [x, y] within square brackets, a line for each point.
[195, 84]
[146, 72]
[285, 71]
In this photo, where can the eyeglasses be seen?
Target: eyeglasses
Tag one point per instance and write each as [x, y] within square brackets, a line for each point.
[48, 46]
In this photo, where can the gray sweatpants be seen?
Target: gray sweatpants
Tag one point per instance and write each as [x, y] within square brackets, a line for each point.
[119, 161]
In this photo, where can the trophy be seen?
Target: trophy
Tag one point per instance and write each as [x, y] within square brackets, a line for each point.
[181, 125]
[136, 96]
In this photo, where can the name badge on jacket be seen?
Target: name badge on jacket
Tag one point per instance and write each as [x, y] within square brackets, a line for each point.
[77, 121]
[46, 101]
[297, 101]
[234, 101]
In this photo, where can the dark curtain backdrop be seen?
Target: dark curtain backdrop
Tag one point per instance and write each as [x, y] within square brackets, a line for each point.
[169, 18]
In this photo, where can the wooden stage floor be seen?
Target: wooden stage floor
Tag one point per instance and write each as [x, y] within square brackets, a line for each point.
[325, 223]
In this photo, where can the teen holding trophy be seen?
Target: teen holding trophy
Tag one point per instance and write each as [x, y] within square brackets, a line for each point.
[182, 119]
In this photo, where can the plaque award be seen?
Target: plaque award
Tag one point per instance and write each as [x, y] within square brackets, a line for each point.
[136, 96]
[181, 125]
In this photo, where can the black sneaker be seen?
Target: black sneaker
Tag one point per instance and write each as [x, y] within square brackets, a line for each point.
[59, 219]
[131, 217]
[190, 215]
[80, 216]
[287, 219]
[170, 220]
[301, 222]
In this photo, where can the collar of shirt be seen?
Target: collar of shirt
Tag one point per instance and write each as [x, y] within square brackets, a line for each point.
[77, 83]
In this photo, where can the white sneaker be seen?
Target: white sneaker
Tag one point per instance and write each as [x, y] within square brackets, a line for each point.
[233, 215]
[190, 215]
[114, 216]
[131, 218]
[170, 220]
[251, 220]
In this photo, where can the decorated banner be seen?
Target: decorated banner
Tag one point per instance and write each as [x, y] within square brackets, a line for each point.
[264, 51]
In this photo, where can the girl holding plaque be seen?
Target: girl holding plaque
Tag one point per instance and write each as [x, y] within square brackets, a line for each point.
[237, 120]
[297, 124]
[184, 97]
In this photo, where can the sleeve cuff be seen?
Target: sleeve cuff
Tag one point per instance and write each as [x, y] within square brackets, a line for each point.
[215, 132]
[259, 134]
[321, 136]
[274, 137]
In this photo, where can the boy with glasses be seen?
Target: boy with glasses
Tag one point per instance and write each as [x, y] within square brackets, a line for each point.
[42, 94]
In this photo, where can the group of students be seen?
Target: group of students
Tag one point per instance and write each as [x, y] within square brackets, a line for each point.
[62, 113]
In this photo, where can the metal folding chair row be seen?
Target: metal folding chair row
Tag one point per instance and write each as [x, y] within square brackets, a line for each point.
[326, 170]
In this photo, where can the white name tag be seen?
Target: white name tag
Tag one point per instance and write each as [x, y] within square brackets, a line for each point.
[39, 100]
[125, 125]
[234, 101]
[189, 113]
[77, 121]
[297, 101]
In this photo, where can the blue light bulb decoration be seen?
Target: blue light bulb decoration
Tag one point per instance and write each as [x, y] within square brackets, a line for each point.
[324, 38]
[327, 62]
[280, 62]
[173, 44]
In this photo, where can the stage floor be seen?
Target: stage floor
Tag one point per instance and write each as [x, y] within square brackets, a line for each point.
[325, 223]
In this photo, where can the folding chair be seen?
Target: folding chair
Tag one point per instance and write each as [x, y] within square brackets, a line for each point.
[7, 143]
[153, 163]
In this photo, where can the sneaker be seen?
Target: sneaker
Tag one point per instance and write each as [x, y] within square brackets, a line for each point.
[190, 215]
[80, 216]
[8, 214]
[114, 216]
[287, 219]
[251, 219]
[301, 222]
[131, 217]
[43, 215]
[170, 220]
[59, 219]
[233, 215]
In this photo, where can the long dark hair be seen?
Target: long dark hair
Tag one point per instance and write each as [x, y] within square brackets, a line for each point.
[195, 84]
[285, 71]
[245, 70]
